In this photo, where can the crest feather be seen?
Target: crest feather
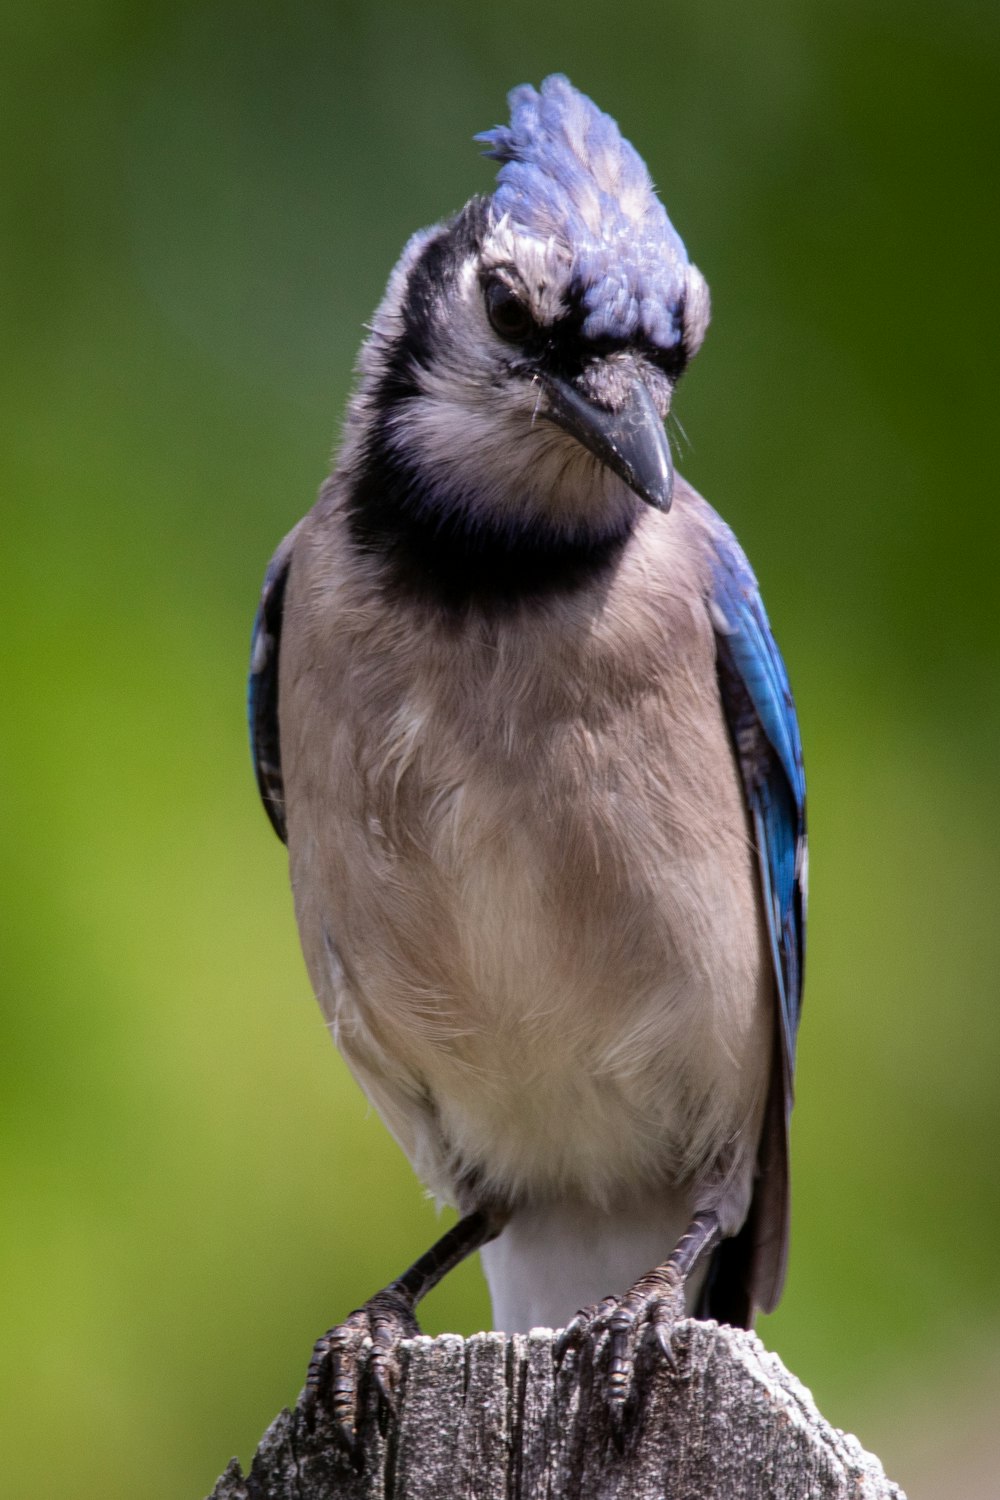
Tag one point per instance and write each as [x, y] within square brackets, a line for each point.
[568, 174]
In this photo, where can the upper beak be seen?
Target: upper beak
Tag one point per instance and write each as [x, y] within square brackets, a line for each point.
[630, 440]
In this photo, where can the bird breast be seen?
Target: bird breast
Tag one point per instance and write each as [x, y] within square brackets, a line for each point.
[523, 878]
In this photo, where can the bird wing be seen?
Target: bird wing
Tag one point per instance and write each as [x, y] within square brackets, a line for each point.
[759, 709]
[262, 688]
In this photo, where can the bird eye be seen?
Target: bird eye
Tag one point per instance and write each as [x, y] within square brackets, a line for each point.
[507, 313]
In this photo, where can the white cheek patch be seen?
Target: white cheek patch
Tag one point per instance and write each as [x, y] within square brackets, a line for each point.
[494, 457]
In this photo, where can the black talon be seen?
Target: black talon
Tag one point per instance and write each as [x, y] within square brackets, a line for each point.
[650, 1307]
[335, 1368]
[581, 1326]
[662, 1325]
[333, 1377]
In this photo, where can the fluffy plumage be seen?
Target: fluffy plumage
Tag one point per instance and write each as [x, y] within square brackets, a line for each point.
[533, 748]
[570, 177]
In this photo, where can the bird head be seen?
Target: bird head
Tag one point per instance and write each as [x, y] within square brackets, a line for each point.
[522, 363]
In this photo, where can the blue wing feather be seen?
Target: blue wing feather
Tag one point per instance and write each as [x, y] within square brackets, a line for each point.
[760, 711]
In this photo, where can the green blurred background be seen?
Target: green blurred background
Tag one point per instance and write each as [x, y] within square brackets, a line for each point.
[200, 204]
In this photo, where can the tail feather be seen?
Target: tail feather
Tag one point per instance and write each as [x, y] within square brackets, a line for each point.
[747, 1272]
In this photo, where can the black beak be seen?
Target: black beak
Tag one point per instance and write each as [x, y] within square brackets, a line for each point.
[630, 440]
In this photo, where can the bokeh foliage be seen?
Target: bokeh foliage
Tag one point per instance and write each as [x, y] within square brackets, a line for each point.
[200, 204]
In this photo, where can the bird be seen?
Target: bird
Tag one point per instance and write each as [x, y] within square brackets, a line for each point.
[517, 710]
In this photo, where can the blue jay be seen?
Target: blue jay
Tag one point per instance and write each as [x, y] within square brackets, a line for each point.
[518, 713]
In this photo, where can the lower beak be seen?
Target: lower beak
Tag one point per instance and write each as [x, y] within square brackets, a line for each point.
[630, 440]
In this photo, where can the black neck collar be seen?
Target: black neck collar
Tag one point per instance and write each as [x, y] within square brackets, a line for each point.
[433, 554]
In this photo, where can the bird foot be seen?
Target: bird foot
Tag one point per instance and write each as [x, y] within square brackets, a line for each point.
[614, 1331]
[334, 1377]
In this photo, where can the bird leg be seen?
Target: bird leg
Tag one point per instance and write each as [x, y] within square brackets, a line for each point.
[655, 1302]
[382, 1323]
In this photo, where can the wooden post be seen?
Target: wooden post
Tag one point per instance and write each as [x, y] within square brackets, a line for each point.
[495, 1418]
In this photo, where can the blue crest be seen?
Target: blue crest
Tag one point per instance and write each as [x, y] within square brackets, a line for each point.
[568, 174]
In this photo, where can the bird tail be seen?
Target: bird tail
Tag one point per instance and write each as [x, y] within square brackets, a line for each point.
[747, 1272]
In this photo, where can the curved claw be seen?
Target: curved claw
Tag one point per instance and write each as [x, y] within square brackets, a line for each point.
[662, 1321]
[587, 1323]
[332, 1377]
[652, 1305]
[569, 1337]
[337, 1363]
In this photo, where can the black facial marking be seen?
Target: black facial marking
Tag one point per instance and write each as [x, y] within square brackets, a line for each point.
[432, 551]
[430, 280]
[567, 351]
[438, 556]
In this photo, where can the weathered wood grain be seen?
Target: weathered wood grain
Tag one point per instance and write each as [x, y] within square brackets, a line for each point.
[491, 1418]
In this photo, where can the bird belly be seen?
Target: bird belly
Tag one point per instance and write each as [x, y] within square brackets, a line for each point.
[543, 1006]
[606, 1054]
